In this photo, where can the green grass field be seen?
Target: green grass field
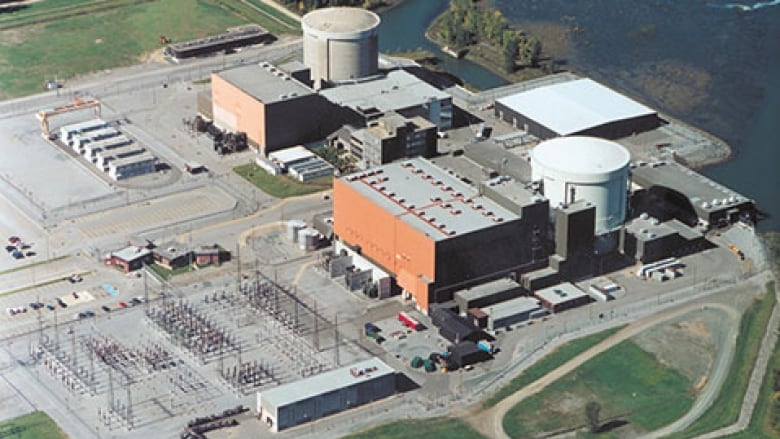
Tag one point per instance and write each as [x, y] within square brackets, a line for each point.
[629, 383]
[65, 38]
[36, 425]
[436, 428]
[725, 410]
[542, 367]
[765, 423]
[281, 186]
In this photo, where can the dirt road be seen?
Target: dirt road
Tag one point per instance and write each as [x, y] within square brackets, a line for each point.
[490, 422]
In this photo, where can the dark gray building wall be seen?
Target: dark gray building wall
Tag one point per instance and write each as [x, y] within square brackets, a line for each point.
[521, 121]
[486, 254]
[319, 406]
[301, 120]
[611, 130]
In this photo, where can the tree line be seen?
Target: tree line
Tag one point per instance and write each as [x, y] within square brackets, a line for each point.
[310, 5]
[465, 24]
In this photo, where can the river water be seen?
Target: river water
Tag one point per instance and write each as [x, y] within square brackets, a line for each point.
[715, 65]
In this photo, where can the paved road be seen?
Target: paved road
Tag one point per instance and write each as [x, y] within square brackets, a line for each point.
[490, 422]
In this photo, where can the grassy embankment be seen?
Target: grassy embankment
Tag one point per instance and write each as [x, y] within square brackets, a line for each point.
[627, 382]
[66, 38]
[439, 428]
[281, 186]
[765, 422]
[448, 427]
[548, 363]
[725, 410]
[35, 425]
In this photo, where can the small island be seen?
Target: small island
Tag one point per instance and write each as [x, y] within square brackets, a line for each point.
[482, 34]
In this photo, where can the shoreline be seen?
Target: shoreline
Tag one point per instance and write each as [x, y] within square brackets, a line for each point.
[717, 152]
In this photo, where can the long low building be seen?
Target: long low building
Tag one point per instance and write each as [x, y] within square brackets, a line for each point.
[501, 315]
[325, 394]
[579, 107]
[144, 163]
[673, 191]
[561, 297]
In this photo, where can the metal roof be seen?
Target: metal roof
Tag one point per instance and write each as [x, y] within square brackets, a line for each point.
[397, 90]
[133, 159]
[287, 155]
[428, 198]
[573, 106]
[704, 194]
[265, 82]
[131, 253]
[512, 307]
[325, 382]
[560, 293]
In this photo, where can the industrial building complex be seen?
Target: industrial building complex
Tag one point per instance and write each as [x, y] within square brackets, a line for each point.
[464, 232]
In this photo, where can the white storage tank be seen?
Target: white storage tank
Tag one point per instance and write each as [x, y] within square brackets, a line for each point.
[340, 43]
[293, 229]
[584, 168]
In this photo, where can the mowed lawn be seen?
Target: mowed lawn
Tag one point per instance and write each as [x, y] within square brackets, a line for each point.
[35, 425]
[281, 186]
[61, 38]
[629, 383]
[436, 428]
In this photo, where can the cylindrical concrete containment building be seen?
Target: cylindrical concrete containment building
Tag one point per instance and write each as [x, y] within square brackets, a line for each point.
[584, 168]
[340, 43]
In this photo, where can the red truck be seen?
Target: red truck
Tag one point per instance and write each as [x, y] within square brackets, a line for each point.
[409, 321]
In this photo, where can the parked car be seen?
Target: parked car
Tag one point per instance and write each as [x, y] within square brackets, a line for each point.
[61, 303]
[75, 278]
[122, 304]
[106, 308]
[89, 313]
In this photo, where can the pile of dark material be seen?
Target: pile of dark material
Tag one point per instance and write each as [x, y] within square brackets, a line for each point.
[224, 142]
[198, 426]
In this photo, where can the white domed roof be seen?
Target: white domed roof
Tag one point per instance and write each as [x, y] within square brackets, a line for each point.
[581, 155]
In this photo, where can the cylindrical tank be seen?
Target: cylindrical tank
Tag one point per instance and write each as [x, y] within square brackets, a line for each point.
[340, 43]
[584, 168]
[293, 229]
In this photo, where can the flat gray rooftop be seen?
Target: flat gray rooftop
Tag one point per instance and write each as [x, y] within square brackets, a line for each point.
[325, 382]
[428, 198]
[514, 191]
[706, 195]
[265, 82]
[645, 229]
[138, 158]
[397, 90]
[512, 307]
[491, 155]
[560, 293]
[488, 289]
[574, 106]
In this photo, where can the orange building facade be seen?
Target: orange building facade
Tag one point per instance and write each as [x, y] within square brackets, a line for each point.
[433, 233]
[386, 240]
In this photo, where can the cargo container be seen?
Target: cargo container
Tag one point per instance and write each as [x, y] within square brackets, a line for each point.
[409, 321]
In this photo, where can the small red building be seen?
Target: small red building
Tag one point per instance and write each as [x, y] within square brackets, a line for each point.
[130, 258]
[211, 254]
